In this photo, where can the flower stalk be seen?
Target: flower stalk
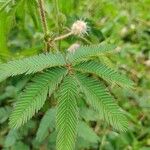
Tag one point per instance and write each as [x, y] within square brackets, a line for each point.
[63, 36]
[79, 28]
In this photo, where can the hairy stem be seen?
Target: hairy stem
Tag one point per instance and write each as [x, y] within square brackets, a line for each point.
[43, 16]
[44, 23]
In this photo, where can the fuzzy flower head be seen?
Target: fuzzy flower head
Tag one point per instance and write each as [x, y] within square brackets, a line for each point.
[73, 47]
[79, 28]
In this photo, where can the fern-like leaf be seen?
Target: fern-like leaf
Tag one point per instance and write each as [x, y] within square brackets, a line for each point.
[67, 115]
[86, 52]
[34, 96]
[100, 99]
[104, 72]
[87, 133]
[30, 65]
[47, 123]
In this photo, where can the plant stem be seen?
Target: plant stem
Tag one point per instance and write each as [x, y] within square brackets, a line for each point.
[44, 23]
[57, 14]
[57, 20]
[43, 16]
[63, 36]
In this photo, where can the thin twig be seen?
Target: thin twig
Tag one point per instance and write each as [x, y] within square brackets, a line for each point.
[57, 14]
[57, 20]
[63, 36]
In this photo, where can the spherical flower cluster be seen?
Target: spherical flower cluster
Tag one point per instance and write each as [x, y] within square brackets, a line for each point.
[79, 28]
[73, 47]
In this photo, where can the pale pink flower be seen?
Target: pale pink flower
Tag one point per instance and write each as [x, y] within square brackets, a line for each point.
[73, 47]
[79, 28]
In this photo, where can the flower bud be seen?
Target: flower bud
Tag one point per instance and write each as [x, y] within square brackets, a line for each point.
[73, 47]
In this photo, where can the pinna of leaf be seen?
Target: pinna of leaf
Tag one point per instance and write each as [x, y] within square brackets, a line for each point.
[67, 74]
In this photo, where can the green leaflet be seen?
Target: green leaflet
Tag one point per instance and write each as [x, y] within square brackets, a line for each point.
[100, 99]
[32, 10]
[104, 72]
[34, 96]
[87, 52]
[11, 138]
[85, 132]
[30, 65]
[67, 115]
[4, 110]
[5, 26]
[47, 123]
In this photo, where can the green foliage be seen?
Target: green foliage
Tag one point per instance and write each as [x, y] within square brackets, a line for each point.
[86, 52]
[11, 138]
[30, 65]
[47, 124]
[34, 96]
[83, 80]
[99, 98]
[49, 77]
[67, 114]
[104, 72]
[86, 133]
[4, 29]
[6, 111]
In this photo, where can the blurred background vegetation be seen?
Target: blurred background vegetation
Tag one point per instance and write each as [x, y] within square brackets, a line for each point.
[125, 23]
